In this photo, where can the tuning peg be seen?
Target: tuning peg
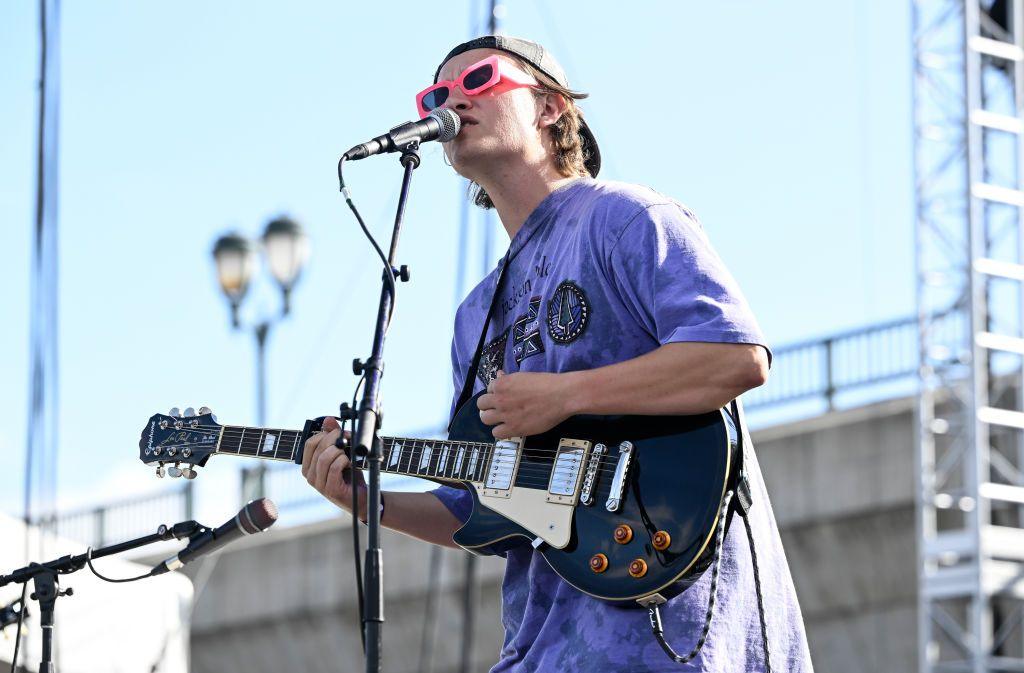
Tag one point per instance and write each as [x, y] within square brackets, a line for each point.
[189, 473]
[160, 471]
[189, 412]
[205, 410]
[174, 471]
[174, 412]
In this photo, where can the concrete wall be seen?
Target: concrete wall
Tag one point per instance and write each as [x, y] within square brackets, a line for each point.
[841, 487]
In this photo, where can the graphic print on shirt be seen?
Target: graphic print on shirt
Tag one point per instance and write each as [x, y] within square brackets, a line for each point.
[568, 313]
[526, 333]
[492, 358]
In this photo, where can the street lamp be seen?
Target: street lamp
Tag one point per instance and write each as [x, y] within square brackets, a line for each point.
[285, 248]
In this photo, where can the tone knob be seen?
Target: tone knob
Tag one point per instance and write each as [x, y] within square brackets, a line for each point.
[599, 563]
[638, 568]
[174, 471]
[623, 534]
[661, 540]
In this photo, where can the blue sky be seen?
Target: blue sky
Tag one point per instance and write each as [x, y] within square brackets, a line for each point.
[785, 126]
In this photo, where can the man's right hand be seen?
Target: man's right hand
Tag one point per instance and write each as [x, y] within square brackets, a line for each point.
[326, 468]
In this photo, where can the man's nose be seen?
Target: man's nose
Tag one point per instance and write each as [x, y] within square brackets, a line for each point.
[457, 100]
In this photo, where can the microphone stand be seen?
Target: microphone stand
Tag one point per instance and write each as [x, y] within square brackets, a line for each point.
[367, 442]
[47, 589]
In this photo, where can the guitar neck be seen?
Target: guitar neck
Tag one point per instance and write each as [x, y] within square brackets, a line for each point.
[431, 458]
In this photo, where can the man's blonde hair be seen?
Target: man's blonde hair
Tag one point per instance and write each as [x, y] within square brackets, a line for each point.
[570, 158]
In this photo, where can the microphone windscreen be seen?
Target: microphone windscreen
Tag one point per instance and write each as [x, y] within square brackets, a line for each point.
[258, 515]
[450, 123]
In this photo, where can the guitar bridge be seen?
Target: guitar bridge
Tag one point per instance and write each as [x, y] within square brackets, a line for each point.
[590, 480]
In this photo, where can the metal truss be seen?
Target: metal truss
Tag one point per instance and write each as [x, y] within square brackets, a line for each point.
[968, 124]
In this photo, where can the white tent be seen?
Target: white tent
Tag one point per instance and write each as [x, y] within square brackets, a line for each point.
[138, 627]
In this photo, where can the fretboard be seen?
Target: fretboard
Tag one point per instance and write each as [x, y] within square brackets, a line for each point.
[433, 458]
[269, 443]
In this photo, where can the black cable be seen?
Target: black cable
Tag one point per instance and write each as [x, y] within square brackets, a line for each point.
[17, 636]
[389, 274]
[88, 561]
[760, 598]
[655, 615]
[356, 543]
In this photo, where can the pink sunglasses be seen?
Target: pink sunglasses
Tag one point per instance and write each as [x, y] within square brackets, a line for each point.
[474, 80]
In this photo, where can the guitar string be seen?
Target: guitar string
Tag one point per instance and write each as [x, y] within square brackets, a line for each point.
[411, 451]
[257, 441]
[391, 442]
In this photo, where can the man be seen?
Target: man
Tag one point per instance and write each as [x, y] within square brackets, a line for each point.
[613, 302]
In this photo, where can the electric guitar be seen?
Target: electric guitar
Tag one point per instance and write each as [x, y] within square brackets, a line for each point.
[624, 508]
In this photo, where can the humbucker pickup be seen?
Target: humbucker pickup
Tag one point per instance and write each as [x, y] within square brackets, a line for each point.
[567, 471]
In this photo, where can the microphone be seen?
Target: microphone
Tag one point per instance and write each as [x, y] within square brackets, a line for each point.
[255, 517]
[441, 124]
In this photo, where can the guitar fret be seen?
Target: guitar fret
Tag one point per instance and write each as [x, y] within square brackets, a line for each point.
[442, 461]
[282, 441]
[426, 454]
[460, 456]
[394, 453]
[405, 462]
[435, 459]
[474, 459]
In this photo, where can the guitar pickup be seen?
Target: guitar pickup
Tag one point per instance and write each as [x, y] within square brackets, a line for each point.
[567, 471]
[614, 503]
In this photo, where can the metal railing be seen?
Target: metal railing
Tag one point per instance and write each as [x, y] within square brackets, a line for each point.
[824, 368]
[122, 520]
[820, 369]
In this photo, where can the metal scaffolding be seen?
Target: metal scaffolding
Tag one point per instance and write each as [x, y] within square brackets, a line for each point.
[968, 124]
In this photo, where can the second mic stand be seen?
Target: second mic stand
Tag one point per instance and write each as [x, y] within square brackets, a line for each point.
[366, 442]
[47, 589]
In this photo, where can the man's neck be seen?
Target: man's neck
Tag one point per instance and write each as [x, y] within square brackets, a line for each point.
[516, 191]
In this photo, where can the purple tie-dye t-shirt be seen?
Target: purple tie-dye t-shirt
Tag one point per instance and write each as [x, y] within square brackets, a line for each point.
[602, 272]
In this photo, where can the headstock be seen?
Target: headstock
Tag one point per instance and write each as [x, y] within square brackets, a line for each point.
[182, 442]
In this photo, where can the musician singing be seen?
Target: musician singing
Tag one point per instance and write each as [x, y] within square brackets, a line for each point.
[613, 302]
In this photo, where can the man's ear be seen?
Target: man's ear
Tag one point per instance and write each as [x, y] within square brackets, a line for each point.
[551, 108]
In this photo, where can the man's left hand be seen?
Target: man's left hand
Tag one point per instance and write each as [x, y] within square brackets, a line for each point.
[524, 403]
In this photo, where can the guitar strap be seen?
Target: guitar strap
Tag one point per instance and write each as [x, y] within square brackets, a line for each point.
[744, 498]
[467, 386]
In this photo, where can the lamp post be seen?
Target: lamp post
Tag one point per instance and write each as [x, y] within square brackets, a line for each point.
[285, 248]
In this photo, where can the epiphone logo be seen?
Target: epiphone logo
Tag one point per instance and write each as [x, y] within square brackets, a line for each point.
[152, 429]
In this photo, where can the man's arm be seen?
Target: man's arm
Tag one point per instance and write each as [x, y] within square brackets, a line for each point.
[676, 378]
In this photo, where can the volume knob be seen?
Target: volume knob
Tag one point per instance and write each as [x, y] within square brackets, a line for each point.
[599, 563]
[661, 540]
[623, 534]
[638, 568]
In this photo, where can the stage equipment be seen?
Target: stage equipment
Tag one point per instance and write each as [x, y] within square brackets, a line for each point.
[441, 124]
[368, 415]
[255, 517]
[47, 589]
[969, 180]
[9, 614]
